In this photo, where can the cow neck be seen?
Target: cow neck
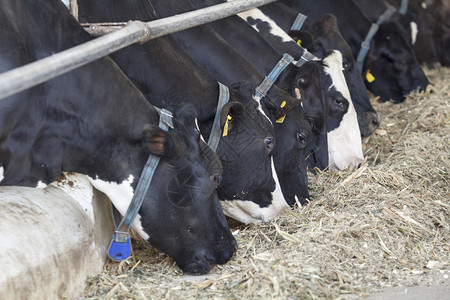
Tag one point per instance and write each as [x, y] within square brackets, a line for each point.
[120, 247]
[224, 97]
[365, 45]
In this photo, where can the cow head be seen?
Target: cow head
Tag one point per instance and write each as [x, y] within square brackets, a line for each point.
[245, 150]
[309, 85]
[292, 134]
[322, 36]
[391, 69]
[181, 214]
[328, 107]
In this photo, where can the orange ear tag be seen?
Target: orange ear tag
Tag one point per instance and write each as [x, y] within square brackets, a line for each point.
[225, 127]
[299, 42]
[281, 120]
[283, 104]
[369, 77]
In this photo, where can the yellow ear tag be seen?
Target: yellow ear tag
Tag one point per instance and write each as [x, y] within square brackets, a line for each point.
[283, 104]
[299, 42]
[225, 127]
[370, 78]
[281, 120]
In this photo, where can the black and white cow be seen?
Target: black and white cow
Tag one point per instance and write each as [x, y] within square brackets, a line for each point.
[343, 138]
[429, 27]
[233, 69]
[391, 69]
[94, 121]
[318, 37]
[246, 149]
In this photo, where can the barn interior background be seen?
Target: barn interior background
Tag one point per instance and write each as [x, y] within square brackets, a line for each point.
[385, 224]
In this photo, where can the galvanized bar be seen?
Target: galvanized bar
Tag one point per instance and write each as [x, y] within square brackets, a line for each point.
[24, 77]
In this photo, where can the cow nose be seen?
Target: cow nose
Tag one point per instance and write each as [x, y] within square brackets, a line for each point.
[369, 123]
[198, 265]
[269, 143]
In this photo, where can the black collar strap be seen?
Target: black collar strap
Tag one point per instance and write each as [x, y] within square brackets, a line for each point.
[365, 45]
[120, 247]
[263, 88]
[403, 7]
[298, 22]
[214, 136]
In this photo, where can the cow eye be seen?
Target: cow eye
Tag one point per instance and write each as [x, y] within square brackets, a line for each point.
[301, 81]
[312, 124]
[269, 143]
[302, 139]
[340, 102]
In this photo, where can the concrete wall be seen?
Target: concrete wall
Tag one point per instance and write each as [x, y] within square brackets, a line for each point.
[51, 239]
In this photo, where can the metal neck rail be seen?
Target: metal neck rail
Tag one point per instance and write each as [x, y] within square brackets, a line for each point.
[19, 79]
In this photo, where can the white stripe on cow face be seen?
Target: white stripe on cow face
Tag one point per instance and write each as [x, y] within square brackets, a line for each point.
[120, 195]
[260, 109]
[414, 32]
[274, 28]
[249, 212]
[344, 142]
[2, 171]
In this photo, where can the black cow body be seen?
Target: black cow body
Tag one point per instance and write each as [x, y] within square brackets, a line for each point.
[94, 121]
[320, 37]
[159, 66]
[390, 60]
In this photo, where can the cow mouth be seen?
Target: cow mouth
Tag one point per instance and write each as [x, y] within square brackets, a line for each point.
[200, 264]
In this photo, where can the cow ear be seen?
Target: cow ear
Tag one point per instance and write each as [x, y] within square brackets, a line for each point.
[230, 112]
[329, 22]
[302, 38]
[158, 141]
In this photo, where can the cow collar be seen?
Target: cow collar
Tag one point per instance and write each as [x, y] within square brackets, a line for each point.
[214, 136]
[403, 7]
[365, 45]
[297, 26]
[298, 22]
[263, 88]
[120, 246]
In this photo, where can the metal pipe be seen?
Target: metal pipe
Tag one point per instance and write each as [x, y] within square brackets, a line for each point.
[24, 77]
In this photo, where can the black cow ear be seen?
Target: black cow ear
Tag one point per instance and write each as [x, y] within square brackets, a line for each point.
[158, 141]
[303, 38]
[230, 112]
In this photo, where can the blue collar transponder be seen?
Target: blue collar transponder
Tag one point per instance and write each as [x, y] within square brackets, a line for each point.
[365, 45]
[298, 22]
[268, 81]
[120, 246]
[214, 136]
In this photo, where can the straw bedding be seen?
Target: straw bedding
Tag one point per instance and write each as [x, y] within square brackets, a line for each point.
[385, 224]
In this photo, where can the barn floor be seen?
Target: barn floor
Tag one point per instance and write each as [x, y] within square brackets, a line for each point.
[383, 225]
